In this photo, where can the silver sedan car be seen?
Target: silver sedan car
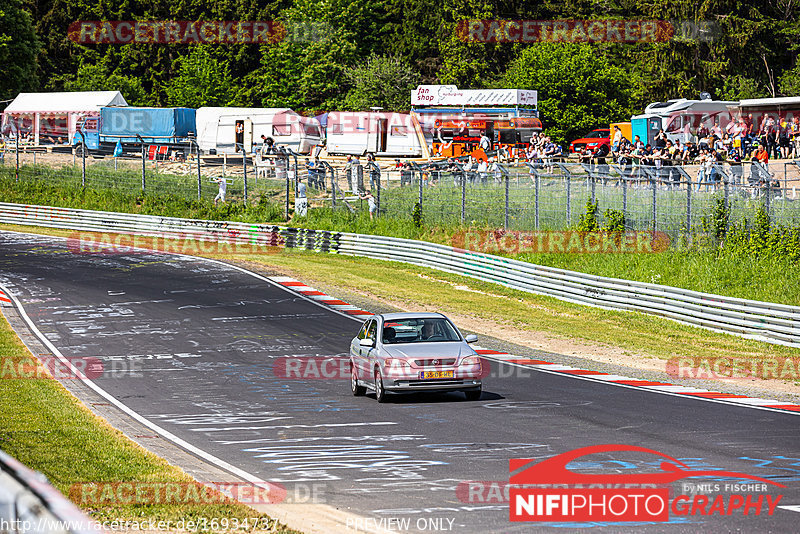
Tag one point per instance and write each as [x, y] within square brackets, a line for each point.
[405, 352]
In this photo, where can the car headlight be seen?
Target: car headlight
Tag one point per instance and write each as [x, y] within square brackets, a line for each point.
[395, 362]
[471, 360]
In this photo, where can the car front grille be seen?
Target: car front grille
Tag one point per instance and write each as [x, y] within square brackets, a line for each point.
[435, 362]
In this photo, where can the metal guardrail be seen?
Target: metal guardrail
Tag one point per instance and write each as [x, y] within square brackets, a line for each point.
[764, 321]
[28, 503]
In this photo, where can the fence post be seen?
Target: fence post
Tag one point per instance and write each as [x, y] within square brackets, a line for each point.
[569, 200]
[244, 169]
[688, 207]
[536, 200]
[16, 149]
[286, 163]
[83, 158]
[199, 179]
[378, 183]
[725, 193]
[419, 177]
[463, 197]
[624, 196]
[505, 220]
[593, 183]
[653, 182]
[141, 143]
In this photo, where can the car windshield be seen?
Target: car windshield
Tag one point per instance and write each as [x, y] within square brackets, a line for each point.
[596, 135]
[419, 331]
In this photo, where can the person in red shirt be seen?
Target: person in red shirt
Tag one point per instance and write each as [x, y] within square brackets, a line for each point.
[762, 155]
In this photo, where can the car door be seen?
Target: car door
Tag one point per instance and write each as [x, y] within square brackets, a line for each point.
[358, 354]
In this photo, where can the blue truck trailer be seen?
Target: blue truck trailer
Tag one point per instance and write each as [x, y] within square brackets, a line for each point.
[134, 126]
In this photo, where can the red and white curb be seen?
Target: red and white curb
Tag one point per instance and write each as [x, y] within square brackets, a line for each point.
[619, 380]
[4, 300]
[575, 372]
[319, 296]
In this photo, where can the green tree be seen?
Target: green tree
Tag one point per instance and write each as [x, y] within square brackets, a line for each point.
[19, 47]
[789, 82]
[200, 80]
[737, 87]
[383, 81]
[98, 78]
[578, 88]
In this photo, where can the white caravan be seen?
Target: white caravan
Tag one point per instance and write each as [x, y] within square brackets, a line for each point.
[681, 118]
[220, 130]
[379, 133]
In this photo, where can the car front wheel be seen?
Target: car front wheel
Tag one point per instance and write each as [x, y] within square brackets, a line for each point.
[354, 387]
[380, 393]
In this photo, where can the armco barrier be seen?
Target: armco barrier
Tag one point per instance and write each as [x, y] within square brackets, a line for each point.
[28, 503]
[773, 323]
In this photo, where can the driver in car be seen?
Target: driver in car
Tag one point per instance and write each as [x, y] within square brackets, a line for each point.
[428, 330]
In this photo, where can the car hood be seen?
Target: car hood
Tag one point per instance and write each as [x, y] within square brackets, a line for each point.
[440, 349]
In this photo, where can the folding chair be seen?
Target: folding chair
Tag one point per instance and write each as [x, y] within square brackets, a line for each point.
[151, 152]
[163, 151]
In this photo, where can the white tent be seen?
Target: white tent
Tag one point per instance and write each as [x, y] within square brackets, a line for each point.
[43, 116]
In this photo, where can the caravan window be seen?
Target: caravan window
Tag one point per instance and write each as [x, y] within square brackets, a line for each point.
[335, 128]
[312, 130]
[400, 131]
[281, 130]
[674, 125]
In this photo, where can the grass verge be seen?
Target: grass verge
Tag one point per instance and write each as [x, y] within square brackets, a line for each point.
[46, 428]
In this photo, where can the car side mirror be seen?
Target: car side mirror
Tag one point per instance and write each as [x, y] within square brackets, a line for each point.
[472, 338]
[366, 342]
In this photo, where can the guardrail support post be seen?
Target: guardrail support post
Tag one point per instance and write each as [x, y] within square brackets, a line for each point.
[16, 149]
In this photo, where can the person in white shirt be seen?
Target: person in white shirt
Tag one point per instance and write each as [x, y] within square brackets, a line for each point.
[223, 188]
[483, 166]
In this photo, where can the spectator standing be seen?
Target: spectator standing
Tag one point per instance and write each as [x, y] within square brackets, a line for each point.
[223, 188]
[482, 170]
[485, 143]
[794, 135]
[616, 140]
[371, 204]
[783, 137]
[300, 199]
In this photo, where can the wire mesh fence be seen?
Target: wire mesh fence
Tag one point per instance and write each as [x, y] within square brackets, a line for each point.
[674, 200]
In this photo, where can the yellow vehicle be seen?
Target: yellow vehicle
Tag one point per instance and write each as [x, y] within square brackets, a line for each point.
[627, 130]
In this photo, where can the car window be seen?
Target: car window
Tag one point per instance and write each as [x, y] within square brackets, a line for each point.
[362, 334]
[597, 135]
[419, 330]
[373, 325]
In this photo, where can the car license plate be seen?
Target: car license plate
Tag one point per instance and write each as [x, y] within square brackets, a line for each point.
[428, 375]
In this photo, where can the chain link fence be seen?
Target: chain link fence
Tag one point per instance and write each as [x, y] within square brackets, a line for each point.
[674, 200]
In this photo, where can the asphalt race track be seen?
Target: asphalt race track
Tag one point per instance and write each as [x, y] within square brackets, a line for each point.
[191, 345]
